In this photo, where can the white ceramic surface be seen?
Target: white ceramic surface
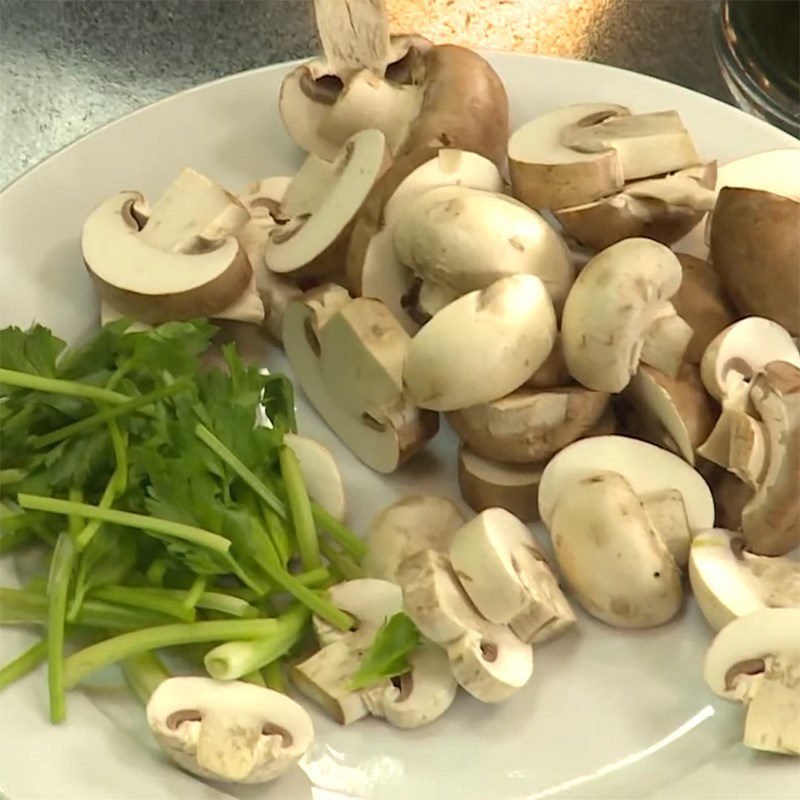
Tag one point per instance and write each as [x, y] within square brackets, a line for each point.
[608, 714]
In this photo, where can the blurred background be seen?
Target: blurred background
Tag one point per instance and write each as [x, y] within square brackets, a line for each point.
[68, 66]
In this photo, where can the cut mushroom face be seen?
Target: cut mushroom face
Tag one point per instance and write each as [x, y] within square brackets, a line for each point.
[178, 259]
[756, 661]
[528, 426]
[412, 524]
[320, 473]
[482, 346]
[618, 567]
[676, 409]
[464, 239]
[702, 302]
[382, 444]
[618, 314]
[741, 351]
[313, 242]
[669, 488]
[664, 209]
[728, 582]
[507, 577]
[229, 731]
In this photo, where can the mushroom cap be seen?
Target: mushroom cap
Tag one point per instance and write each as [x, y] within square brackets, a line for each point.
[528, 426]
[764, 633]
[741, 351]
[702, 301]
[482, 346]
[752, 226]
[320, 473]
[626, 456]
[466, 239]
[620, 571]
[383, 444]
[729, 582]
[679, 407]
[407, 526]
[137, 276]
[553, 372]
[548, 173]
[615, 300]
[229, 731]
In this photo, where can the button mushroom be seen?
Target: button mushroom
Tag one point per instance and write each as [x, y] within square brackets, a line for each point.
[618, 314]
[482, 346]
[383, 443]
[507, 577]
[412, 524]
[320, 473]
[728, 582]
[176, 260]
[528, 426]
[487, 659]
[582, 153]
[756, 661]
[229, 731]
[465, 239]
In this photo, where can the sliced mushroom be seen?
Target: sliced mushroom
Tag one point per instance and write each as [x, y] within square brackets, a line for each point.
[756, 661]
[664, 208]
[618, 314]
[729, 582]
[617, 565]
[408, 526]
[482, 346]
[582, 153]
[678, 410]
[313, 242]
[507, 577]
[229, 731]
[320, 473]
[465, 239]
[675, 496]
[702, 302]
[528, 426]
[176, 260]
[382, 444]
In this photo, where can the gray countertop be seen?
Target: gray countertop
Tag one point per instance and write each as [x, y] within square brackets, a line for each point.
[68, 66]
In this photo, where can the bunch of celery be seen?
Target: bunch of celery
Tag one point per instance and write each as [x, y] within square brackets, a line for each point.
[169, 517]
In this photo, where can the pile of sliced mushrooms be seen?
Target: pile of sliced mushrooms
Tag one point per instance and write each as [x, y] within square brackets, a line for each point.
[422, 261]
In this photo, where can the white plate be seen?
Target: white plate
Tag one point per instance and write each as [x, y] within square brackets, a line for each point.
[608, 714]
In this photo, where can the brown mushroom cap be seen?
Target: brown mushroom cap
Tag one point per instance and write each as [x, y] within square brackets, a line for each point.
[755, 247]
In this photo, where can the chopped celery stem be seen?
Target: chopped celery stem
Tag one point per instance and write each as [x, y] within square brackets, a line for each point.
[23, 664]
[300, 509]
[57, 589]
[37, 383]
[144, 672]
[339, 532]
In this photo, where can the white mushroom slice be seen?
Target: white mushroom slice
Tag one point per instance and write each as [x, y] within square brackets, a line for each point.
[362, 352]
[320, 473]
[423, 694]
[678, 407]
[229, 731]
[507, 577]
[728, 582]
[482, 346]
[177, 260]
[382, 444]
[486, 483]
[626, 457]
[529, 426]
[741, 351]
[664, 209]
[369, 600]
[491, 664]
[738, 442]
[617, 566]
[465, 239]
[263, 198]
[276, 294]
[548, 173]
[618, 313]
[756, 661]
[413, 523]
[314, 241]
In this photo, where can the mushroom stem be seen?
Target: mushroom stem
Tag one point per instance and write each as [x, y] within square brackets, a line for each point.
[667, 515]
[666, 341]
[773, 709]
